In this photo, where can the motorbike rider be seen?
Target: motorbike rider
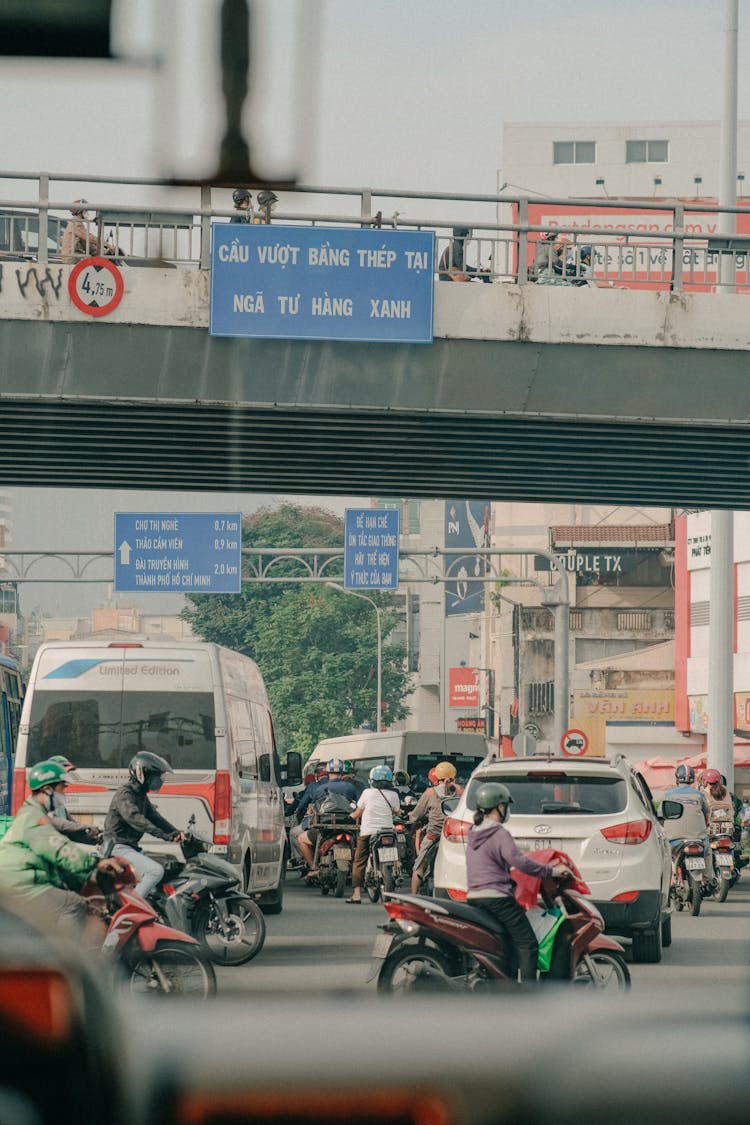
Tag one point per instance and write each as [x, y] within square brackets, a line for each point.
[374, 811]
[43, 869]
[693, 824]
[718, 796]
[490, 855]
[429, 808]
[333, 782]
[350, 775]
[60, 818]
[131, 815]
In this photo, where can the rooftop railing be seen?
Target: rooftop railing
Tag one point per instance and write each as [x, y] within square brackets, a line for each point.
[634, 243]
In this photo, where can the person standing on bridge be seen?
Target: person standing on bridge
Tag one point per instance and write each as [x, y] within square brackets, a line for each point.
[453, 265]
[77, 240]
[243, 205]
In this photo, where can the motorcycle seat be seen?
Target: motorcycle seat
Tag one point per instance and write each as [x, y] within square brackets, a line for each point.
[475, 915]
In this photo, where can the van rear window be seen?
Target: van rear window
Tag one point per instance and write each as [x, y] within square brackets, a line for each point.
[419, 765]
[105, 729]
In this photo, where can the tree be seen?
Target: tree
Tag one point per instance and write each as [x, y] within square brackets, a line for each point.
[316, 647]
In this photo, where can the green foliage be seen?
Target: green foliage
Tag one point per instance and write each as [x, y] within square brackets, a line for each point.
[316, 647]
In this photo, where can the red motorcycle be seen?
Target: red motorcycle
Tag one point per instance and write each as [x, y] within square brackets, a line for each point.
[149, 957]
[437, 944]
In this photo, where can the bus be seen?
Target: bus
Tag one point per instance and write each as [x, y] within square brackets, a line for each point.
[11, 701]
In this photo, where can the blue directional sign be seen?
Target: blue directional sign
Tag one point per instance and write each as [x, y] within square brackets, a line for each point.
[371, 549]
[178, 552]
[322, 283]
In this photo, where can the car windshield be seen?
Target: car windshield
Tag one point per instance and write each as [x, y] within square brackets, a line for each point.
[558, 792]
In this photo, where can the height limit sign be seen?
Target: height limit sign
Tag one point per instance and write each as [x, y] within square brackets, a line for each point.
[371, 549]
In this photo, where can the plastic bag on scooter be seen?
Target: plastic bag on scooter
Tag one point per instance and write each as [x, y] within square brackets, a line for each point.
[545, 924]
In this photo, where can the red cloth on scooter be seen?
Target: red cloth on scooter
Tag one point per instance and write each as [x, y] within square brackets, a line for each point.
[527, 886]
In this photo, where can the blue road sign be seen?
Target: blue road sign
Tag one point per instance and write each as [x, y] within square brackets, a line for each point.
[178, 552]
[322, 283]
[371, 549]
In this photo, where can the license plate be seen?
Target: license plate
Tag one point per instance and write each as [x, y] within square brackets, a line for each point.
[724, 860]
[538, 845]
[388, 855]
[342, 853]
[695, 863]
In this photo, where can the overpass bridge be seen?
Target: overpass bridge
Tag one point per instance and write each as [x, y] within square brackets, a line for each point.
[634, 390]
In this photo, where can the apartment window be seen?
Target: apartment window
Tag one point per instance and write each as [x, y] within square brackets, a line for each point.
[574, 152]
[646, 152]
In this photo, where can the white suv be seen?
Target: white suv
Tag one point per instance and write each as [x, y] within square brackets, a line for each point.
[598, 811]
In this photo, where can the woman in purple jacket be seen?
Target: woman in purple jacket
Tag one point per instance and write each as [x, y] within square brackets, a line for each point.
[491, 854]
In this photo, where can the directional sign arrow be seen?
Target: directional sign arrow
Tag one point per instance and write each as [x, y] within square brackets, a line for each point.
[125, 550]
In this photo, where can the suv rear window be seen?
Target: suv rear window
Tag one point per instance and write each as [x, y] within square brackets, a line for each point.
[540, 794]
[105, 729]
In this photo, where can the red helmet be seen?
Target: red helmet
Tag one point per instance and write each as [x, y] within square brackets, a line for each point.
[432, 777]
[712, 777]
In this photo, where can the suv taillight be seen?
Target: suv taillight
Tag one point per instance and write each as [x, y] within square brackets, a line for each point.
[456, 830]
[222, 807]
[630, 832]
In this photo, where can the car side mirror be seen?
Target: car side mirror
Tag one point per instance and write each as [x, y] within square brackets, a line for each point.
[671, 810]
[293, 768]
[449, 804]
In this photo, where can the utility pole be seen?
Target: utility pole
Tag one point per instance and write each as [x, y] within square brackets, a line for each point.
[720, 753]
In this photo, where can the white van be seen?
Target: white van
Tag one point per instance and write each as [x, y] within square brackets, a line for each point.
[202, 707]
[414, 752]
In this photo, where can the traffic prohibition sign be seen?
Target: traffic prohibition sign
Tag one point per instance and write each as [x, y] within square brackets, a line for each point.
[95, 286]
[574, 743]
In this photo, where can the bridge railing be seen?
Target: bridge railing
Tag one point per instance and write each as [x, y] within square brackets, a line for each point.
[643, 244]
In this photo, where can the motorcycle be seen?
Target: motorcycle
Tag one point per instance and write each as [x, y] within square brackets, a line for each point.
[149, 958]
[201, 896]
[720, 832]
[688, 874]
[441, 945]
[334, 853]
[383, 864]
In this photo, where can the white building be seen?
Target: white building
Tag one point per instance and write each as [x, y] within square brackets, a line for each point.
[594, 160]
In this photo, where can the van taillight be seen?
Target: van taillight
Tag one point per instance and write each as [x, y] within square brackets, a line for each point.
[19, 790]
[222, 807]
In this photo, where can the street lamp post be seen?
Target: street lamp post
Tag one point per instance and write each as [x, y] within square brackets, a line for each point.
[376, 607]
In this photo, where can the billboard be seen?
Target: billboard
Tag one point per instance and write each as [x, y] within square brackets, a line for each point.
[645, 263]
[467, 524]
[463, 687]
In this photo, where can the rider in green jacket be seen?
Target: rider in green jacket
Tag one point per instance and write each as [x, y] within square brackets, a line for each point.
[39, 866]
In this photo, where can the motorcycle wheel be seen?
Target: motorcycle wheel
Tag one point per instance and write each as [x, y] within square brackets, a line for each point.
[342, 876]
[696, 897]
[372, 886]
[389, 881]
[612, 973]
[245, 936]
[414, 969]
[171, 970]
[723, 890]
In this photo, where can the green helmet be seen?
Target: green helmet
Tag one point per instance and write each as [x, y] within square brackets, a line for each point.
[46, 773]
[492, 794]
[348, 765]
[61, 760]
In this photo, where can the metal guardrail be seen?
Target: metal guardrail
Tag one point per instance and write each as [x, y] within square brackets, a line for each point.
[171, 227]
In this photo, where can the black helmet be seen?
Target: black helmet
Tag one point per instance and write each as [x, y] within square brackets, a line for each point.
[267, 198]
[461, 232]
[146, 768]
[241, 195]
[492, 794]
[684, 775]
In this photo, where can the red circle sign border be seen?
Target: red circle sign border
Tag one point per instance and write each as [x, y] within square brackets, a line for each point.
[112, 270]
[578, 753]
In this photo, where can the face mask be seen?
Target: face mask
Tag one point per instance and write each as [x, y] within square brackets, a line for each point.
[58, 802]
[47, 799]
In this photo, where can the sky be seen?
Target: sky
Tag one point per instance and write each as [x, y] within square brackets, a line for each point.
[409, 94]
